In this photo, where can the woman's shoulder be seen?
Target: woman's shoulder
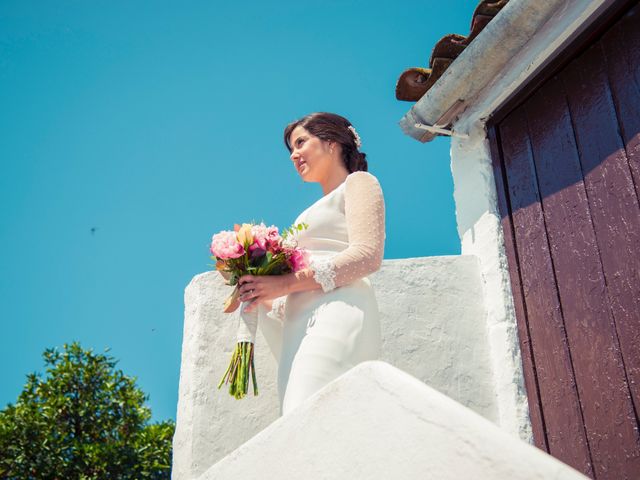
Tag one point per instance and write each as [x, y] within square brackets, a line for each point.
[362, 178]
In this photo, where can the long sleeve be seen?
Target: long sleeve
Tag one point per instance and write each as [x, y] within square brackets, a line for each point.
[365, 217]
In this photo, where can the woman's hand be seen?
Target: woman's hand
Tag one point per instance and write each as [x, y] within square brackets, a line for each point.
[261, 288]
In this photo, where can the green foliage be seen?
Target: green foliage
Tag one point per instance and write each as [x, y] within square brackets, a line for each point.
[84, 420]
[293, 229]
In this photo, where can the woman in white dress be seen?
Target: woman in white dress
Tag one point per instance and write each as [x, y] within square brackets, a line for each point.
[324, 320]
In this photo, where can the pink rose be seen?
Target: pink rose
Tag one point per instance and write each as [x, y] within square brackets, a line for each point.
[225, 245]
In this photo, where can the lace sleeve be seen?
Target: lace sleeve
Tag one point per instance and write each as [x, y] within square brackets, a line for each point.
[324, 273]
[365, 215]
[277, 308]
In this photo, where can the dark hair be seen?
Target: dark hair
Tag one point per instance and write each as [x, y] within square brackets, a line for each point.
[331, 127]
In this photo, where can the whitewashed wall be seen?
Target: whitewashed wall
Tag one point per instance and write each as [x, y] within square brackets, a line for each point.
[481, 235]
[375, 422]
[433, 321]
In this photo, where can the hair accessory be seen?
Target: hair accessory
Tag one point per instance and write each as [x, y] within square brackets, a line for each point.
[355, 134]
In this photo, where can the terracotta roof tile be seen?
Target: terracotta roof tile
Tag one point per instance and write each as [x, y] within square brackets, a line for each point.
[415, 82]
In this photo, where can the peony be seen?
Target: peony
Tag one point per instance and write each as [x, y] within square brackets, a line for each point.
[272, 234]
[260, 235]
[274, 240]
[298, 259]
[225, 245]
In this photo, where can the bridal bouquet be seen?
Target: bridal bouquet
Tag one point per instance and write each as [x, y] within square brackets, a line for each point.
[253, 249]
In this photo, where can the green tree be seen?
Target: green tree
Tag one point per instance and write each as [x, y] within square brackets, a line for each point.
[84, 420]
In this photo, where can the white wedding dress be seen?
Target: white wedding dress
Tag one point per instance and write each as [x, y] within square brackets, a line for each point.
[317, 335]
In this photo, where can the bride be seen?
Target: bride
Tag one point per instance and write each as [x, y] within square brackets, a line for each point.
[323, 320]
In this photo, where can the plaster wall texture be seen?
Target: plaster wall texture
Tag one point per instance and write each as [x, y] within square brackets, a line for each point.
[480, 233]
[433, 322]
[378, 422]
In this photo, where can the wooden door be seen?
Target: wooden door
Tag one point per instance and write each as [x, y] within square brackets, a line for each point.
[567, 169]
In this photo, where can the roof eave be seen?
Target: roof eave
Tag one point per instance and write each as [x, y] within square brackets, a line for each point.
[478, 65]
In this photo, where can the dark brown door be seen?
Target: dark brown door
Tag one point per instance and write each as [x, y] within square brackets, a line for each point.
[567, 168]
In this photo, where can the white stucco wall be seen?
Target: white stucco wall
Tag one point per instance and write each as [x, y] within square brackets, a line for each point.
[480, 233]
[433, 322]
[378, 422]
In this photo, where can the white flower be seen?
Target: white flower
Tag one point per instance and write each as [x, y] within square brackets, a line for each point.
[290, 241]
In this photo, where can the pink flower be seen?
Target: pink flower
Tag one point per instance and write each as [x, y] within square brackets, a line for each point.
[298, 259]
[274, 240]
[225, 245]
[260, 234]
[273, 235]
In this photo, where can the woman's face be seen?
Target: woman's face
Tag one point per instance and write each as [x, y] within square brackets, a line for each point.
[311, 156]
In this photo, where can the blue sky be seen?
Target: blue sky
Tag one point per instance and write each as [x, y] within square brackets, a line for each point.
[159, 124]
